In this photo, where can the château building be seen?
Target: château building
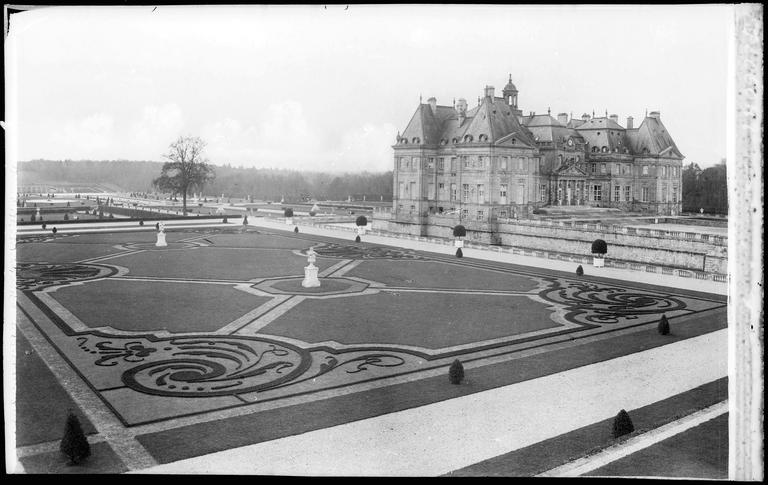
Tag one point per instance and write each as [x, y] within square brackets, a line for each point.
[494, 162]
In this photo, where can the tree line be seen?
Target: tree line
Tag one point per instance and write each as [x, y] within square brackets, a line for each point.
[705, 189]
[260, 183]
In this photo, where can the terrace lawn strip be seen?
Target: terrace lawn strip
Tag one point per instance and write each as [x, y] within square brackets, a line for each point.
[41, 402]
[102, 460]
[53, 252]
[183, 442]
[554, 452]
[699, 452]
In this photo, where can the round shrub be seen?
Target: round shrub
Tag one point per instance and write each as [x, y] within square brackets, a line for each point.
[459, 253]
[459, 231]
[456, 372]
[579, 271]
[74, 444]
[361, 221]
[599, 247]
[288, 212]
[622, 424]
[663, 325]
[312, 213]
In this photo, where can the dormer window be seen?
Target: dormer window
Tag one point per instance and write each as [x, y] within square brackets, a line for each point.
[455, 140]
[416, 140]
[514, 141]
[482, 138]
[594, 149]
[404, 141]
[443, 141]
[467, 138]
[605, 149]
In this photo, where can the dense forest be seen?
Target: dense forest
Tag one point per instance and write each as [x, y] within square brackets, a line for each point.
[263, 184]
[705, 189]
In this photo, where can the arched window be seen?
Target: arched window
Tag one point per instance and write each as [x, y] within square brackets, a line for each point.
[605, 149]
[594, 149]
[416, 140]
[467, 138]
[455, 140]
[482, 138]
[443, 141]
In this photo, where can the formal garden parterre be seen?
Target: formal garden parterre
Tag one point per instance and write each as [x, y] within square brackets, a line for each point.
[218, 320]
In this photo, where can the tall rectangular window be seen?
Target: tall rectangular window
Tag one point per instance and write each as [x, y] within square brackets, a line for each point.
[645, 194]
[503, 193]
[616, 193]
[441, 163]
[416, 162]
[480, 215]
[453, 164]
[401, 192]
[441, 191]
[465, 192]
[503, 163]
[414, 195]
[454, 190]
[674, 194]
[430, 191]
[464, 213]
[431, 163]
[602, 168]
[593, 167]
[645, 169]
[628, 193]
[480, 193]
[465, 159]
[597, 192]
[543, 193]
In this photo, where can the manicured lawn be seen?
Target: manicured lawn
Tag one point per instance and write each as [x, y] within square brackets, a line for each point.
[423, 319]
[258, 240]
[155, 305]
[41, 403]
[700, 452]
[102, 460]
[61, 253]
[419, 274]
[217, 263]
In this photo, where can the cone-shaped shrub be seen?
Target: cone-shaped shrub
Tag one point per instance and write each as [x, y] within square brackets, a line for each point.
[664, 325]
[32, 218]
[74, 444]
[456, 372]
[66, 217]
[579, 271]
[296, 229]
[622, 424]
[44, 227]
[245, 220]
[357, 238]
[157, 226]
[54, 230]
[459, 253]
[224, 220]
[141, 223]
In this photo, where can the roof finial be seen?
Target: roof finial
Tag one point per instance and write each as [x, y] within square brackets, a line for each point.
[549, 109]
[419, 98]
[510, 77]
[454, 103]
[606, 112]
[646, 112]
[478, 100]
[593, 113]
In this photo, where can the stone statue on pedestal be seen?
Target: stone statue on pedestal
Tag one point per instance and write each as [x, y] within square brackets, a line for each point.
[161, 236]
[310, 271]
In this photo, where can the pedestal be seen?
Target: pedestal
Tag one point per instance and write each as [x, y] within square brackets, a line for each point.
[458, 243]
[310, 277]
[598, 262]
[289, 221]
[161, 239]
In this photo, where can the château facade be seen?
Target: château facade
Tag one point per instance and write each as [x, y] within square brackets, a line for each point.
[493, 162]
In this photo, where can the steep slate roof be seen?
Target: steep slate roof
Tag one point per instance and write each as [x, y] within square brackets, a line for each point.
[426, 125]
[602, 132]
[496, 119]
[548, 129]
[652, 134]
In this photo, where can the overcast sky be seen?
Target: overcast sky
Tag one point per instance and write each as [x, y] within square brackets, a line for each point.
[328, 89]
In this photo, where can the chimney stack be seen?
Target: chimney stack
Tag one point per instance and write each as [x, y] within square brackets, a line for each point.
[461, 107]
[615, 118]
[585, 117]
[562, 118]
[489, 91]
[630, 125]
[655, 114]
[433, 104]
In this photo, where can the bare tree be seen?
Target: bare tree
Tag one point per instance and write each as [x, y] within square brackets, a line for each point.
[185, 169]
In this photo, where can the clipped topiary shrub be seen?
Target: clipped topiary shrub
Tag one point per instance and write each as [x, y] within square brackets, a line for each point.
[296, 229]
[579, 271]
[32, 218]
[459, 253]
[664, 325]
[622, 424]
[456, 372]
[141, 223]
[74, 444]
[459, 231]
[361, 221]
[288, 212]
[66, 217]
[357, 239]
[224, 220]
[44, 226]
[599, 247]
[54, 230]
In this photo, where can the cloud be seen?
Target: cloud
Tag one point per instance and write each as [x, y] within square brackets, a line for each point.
[157, 128]
[368, 147]
[92, 137]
